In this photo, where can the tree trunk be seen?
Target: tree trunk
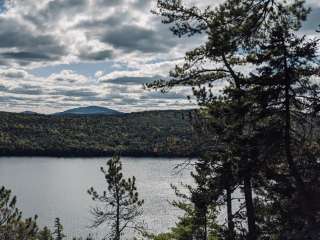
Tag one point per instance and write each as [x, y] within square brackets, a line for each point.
[205, 227]
[247, 176]
[252, 235]
[229, 214]
[118, 219]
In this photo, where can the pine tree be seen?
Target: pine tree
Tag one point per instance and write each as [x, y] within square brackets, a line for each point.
[276, 95]
[8, 211]
[58, 230]
[200, 212]
[286, 96]
[45, 234]
[121, 203]
[218, 60]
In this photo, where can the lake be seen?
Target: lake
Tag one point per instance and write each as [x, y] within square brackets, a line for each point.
[56, 187]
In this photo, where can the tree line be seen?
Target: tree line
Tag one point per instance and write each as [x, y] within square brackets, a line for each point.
[154, 133]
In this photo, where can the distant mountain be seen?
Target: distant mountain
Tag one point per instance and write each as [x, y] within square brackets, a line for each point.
[91, 110]
[29, 112]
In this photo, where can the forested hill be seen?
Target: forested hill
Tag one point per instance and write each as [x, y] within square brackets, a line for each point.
[155, 133]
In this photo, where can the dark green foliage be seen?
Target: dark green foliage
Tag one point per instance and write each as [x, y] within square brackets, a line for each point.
[23, 229]
[259, 132]
[286, 99]
[13, 227]
[45, 234]
[58, 230]
[9, 213]
[219, 60]
[121, 203]
[158, 133]
[199, 220]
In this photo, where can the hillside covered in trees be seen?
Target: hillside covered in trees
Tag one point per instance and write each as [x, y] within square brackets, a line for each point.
[157, 133]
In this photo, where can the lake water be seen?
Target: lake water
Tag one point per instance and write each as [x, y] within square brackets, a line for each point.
[56, 187]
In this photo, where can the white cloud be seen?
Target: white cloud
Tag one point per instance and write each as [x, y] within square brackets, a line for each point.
[99, 74]
[134, 43]
[20, 91]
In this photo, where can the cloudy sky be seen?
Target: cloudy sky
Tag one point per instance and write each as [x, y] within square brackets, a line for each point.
[59, 54]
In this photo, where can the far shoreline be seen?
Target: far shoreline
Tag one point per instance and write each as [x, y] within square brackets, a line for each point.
[99, 155]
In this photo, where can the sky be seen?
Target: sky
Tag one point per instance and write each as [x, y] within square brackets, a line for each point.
[60, 54]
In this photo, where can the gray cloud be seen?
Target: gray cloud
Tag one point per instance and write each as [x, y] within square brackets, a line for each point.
[102, 23]
[109, 3]
[96, 55]
[13, 73]
[84, 30]
[82, 92]
[23, 89]
[3, 88]
[8, 99]
[27, 45]
[158, 95]
[15, 34]
[55, 10]
[142, 4]
[28, 56]
[26, 90]
[136, 38]
[132, 80]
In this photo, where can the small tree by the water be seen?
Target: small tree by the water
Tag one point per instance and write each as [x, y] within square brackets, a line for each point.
[8, 211]
[120, 202]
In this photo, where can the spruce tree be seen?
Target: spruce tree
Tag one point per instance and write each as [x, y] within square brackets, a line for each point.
[121, 203]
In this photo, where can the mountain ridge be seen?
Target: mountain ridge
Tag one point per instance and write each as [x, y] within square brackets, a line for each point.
[89, 110]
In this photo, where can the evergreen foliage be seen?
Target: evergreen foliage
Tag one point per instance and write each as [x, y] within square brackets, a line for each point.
[13, 226]
[9, 213]
[199, 220]
[121, 203]
[58, 230]
[45, 234]
[259, 130]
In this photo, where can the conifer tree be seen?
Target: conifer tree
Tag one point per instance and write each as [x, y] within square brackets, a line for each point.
[58, 230]
[286, 96]
[8, 211]
[12, 226]
[276, 93]
[121, 203]
[45, 234]
[200, 212]
[218, 60]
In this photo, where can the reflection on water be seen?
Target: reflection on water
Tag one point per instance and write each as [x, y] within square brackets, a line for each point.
[56, 187]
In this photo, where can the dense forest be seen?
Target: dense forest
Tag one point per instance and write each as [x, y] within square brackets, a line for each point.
[156, 133]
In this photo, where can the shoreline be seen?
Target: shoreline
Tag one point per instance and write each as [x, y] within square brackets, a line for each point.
[98, 155]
